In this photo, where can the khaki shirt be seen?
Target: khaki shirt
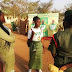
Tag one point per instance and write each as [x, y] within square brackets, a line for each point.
[61, 43]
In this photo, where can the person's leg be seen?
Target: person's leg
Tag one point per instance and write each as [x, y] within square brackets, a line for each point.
[68, 70]
[8, 58]
[9, 66]
[40, 70]
[1, 66]
[10, 61]
[30, 70]
[35, 61]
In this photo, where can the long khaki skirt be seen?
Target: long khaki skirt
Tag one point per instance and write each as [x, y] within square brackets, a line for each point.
[35, 61]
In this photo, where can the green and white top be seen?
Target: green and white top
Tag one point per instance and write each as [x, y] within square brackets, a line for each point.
[38, 34]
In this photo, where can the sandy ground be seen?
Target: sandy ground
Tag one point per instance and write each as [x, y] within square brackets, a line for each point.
[22, 53]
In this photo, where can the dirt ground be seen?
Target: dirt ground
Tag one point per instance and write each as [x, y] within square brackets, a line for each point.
[22, 53]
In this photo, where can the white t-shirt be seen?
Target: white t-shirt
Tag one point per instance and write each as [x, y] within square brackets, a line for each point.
[38, 34]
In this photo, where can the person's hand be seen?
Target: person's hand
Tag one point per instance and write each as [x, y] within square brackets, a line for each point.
[32, 36]
[60, 71]
[33, 32]
[63, 68]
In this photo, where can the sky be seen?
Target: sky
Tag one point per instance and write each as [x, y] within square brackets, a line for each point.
[58, 4]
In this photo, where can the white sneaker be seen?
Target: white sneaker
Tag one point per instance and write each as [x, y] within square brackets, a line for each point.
[30, 70]
[40, 70]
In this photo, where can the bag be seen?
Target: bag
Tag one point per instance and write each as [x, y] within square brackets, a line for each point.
[53, 68]
[28, 43]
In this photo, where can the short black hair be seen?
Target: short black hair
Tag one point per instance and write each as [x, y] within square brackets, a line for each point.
[0, 12]
[68, 13]
[35, 18]
[68, 19]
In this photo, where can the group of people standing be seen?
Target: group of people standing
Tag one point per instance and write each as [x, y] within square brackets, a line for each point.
[60, 46]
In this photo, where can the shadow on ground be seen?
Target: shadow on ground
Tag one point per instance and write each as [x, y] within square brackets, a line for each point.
[21, 63]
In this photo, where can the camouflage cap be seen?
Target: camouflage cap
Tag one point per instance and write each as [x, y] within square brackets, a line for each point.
[68, 13]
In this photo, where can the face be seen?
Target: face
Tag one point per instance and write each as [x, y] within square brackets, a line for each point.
[2, 19]
[37, 23]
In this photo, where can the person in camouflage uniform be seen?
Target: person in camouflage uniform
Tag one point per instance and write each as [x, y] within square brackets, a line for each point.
[7, 56]
[61, 43]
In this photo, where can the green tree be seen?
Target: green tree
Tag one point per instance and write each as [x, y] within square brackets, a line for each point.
[68, 7]
[55, 11]
[33, 7]
[15, 7]
[45, 7]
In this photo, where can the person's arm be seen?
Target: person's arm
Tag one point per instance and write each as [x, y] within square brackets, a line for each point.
[66, 66]
[52, 48]
[30, 36]
[42, 41]
[5, 36]
[54, 45]
[42, 37]
[43, 45]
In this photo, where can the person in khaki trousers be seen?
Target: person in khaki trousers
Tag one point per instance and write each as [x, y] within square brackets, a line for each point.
[7, 56]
